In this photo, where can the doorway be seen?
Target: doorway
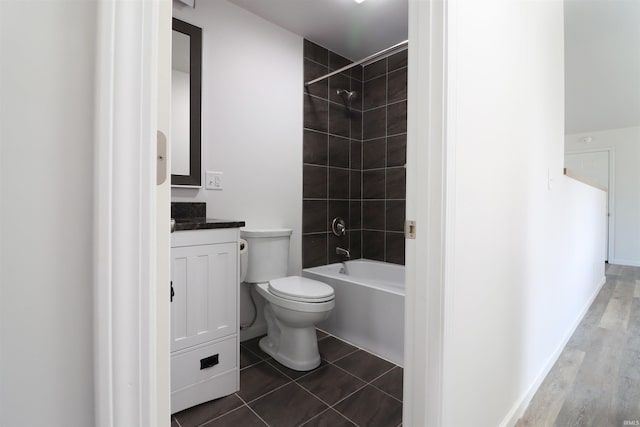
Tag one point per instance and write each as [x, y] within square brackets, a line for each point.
[597, 166]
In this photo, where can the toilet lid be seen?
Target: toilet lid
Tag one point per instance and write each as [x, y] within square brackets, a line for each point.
[298, 288]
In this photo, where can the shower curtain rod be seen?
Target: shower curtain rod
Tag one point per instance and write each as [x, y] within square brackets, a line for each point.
[353, 64]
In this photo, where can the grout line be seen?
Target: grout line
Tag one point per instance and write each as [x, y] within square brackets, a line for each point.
[287, 375]
[326, 249]
[316, 233]
[366, 383]
[253, 364]
[366, 351]
[348, 395]
[177, 422]
[397, 69]
[223, 414]
[370, 383]
[345, 417]
[344, 73]
[260, 359]
[339, 167]
[386, 171]
[342, 357]
[335, 135]
[255, 353]
[315, 416]
[310, 95]
[383, 374]
[382, 106]
[384, 392]
[348, 219]
[270, 391]
[330, 407]
[364, 141]
[361, 169]
[383, 169]
[314, 395]
[254, 412]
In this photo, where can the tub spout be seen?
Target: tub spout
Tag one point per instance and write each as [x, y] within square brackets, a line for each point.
[345, 252]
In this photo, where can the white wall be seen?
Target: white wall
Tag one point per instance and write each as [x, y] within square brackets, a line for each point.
[525, 260]
[251, 122]
[46, 162]
[625, 144]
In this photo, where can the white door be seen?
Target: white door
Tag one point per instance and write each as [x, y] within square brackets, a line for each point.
[593, 166]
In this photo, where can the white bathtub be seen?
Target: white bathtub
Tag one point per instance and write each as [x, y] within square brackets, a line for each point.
[369, 309]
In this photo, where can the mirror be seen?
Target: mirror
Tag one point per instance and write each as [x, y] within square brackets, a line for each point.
[186, 86]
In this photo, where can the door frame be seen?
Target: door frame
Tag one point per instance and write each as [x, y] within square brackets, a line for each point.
[611, 198]
[428, 204]
[131, 387]
[129, 379]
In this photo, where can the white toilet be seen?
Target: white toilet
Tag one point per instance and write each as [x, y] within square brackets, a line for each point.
[294, 304]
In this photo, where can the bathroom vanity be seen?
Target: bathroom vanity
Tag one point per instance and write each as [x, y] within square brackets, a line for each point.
[204, 311]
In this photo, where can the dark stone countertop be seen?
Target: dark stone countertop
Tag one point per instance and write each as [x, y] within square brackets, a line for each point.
[202, 223]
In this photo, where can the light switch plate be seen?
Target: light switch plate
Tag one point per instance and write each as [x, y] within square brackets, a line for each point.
[213, 180]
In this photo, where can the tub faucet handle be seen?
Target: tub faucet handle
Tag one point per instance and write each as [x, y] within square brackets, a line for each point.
[338, 226]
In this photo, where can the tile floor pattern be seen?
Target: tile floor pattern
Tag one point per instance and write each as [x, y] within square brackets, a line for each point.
[351, 387]
[596, 380]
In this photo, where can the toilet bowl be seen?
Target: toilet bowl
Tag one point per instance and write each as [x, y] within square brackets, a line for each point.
[291, 318]
[294, 304]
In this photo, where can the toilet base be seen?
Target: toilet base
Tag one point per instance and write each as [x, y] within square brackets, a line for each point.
[297, 365]
[291, 330]
[294, 346]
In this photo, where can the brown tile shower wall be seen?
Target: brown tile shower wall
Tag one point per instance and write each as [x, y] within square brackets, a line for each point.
[337, 175]
[332, 154]
[384, 142]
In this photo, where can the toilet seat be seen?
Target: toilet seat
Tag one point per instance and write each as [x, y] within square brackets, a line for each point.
[296, 288]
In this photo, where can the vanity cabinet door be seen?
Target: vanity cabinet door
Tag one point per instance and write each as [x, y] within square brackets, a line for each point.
[205, 293]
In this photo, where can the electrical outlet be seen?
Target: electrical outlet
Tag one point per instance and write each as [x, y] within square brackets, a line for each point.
[213, 180]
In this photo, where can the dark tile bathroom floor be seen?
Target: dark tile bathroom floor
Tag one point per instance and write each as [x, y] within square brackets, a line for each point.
[350, 387]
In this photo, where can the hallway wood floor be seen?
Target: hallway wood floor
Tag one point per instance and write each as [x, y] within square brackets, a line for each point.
[596, 380]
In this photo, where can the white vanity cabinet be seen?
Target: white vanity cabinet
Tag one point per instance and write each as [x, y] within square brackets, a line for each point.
[204, 316]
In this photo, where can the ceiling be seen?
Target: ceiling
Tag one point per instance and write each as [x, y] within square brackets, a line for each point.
[350, 29]
[602, 64]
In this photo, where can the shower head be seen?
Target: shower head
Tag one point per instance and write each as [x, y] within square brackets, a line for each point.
[346, 94]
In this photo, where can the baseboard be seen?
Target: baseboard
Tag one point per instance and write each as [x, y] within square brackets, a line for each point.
[628, 262]
[518, 409]
[256, 330]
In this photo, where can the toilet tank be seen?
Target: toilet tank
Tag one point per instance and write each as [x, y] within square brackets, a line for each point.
[267, 254]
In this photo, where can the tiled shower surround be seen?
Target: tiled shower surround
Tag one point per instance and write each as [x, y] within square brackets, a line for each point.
[354, 158]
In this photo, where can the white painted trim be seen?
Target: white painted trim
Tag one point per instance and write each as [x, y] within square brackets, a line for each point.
[521, 404]
[629, 262]
[125, 214]
[611, 195]
[426, 186]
